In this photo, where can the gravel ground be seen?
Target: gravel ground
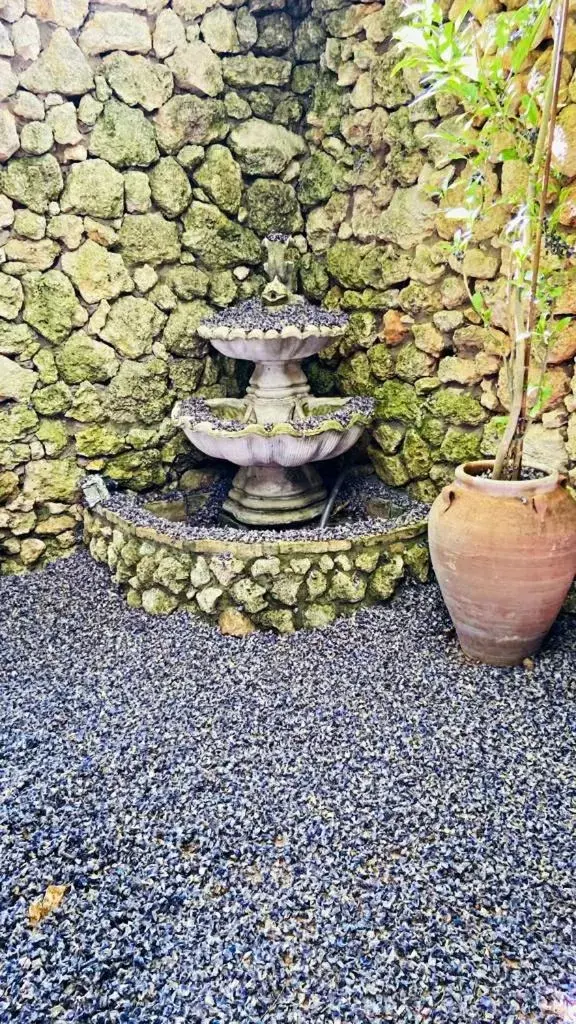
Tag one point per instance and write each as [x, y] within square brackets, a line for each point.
[357, 827]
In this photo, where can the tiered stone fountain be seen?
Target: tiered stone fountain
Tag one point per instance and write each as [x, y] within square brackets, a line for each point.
[278, 430]
[172, 551]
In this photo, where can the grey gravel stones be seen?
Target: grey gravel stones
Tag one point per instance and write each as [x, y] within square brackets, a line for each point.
[198, 411]
[356, 828]
[203, 523]
[252, 315]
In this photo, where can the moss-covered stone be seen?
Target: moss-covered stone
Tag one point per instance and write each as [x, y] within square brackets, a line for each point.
[83, 358]
[156, 601]
[319, 175]
[196, 68]
[316, 583]
[423, 490]
[249, 595]
[18, 340]
[29, 225]
[123, 136]
[96, 272]
[412, 363]
[16, 422]
[457, 406]
[188, 282]
[398, 401]
[383, 581]
[322, 380]
[355, 375]
[460, 445]
[149, 238]
[314, 277]
[281, 620]
[287, 112]
[250, 71]
[52, 480]
[190, 119]
[388, 437]
[139, 392]
[51, 305]
[95, 188]
[169, 186]
[344, 263]
[347, 586]
[137, 191]
[304, 79]
[416, 455]
[99, 440]
[181, 332]
[138, 81]
[432, 430]
[32, 181]
[265, 149]
[273, 207]
[16, 381]
[223, 288]
[217, 240]
[86, 404]
[137, 470]
[317, 616]
[8, 484]
[53, 399]
[381, 362]
[390, 468]
[221, 178]
[286, 589]
[131, 326]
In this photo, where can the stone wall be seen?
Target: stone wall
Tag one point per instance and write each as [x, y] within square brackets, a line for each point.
[146, 150]
[377, 191]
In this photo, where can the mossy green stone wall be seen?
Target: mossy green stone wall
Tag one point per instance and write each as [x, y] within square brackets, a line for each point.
[377, 189]
[146, 151]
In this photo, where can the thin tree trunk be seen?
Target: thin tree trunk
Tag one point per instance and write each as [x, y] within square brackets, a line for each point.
[510, 450]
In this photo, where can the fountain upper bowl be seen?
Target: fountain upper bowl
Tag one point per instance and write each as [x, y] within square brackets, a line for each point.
[271, 346]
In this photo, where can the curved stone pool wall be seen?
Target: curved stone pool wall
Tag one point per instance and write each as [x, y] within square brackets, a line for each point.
[261, 580]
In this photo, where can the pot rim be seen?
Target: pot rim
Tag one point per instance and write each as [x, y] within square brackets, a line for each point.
[468, 474]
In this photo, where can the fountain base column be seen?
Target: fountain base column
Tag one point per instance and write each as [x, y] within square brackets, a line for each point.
[275, 495]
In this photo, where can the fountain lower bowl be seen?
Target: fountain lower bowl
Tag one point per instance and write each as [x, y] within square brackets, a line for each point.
[329, 429]
[277, 483]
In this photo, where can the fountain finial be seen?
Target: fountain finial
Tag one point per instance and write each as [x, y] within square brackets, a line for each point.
[280, 266]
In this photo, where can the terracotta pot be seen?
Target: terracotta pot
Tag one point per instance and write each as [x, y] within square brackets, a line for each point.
[504, 554]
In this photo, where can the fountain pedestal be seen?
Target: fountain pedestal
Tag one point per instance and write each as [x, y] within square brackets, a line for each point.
[261, 495]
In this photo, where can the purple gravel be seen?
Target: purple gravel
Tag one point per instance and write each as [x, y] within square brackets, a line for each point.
[252, 314]
[204, 523]
[352, 827]
[198, 410]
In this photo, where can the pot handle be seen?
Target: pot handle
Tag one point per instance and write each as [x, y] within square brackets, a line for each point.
[446, 496]
[541, 508]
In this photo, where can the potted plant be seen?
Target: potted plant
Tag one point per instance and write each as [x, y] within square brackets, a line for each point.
[502, 536]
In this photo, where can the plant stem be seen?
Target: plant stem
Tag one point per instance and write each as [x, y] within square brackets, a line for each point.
[509, 456]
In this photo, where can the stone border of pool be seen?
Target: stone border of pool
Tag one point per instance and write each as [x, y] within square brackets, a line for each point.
[278, 584]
